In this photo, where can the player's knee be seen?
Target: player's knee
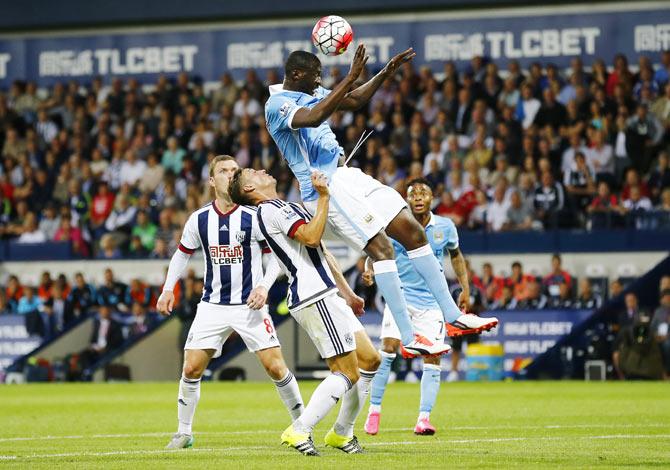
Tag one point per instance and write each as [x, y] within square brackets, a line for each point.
[193, 371]
[353, 376]
[276, 369]
[374, 362]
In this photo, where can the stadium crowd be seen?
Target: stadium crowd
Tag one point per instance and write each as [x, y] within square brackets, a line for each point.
[116, 169]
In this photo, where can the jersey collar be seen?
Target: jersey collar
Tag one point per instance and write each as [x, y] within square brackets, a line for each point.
[431, 222]
[276, 88]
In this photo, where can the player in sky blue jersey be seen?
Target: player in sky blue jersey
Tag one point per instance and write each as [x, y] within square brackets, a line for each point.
[423, 309]
[363, 212]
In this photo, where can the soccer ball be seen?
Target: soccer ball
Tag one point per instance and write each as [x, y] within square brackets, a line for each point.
[332, 35]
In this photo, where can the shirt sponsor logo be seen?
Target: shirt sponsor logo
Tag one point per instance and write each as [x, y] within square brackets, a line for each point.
[226, 254]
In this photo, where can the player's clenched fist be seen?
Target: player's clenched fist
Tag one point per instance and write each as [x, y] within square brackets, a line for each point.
[320, 183]
[165, 303]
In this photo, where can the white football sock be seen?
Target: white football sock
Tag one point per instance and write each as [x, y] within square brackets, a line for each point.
[290, 394]
[189, 394]
[352, 404]
[424, 415]
[324, 398]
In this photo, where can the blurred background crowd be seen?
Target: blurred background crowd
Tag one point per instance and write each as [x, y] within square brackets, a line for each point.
[116, 169]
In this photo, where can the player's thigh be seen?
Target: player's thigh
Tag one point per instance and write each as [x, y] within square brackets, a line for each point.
[255, 327]
[210, 328]
[406, 230]
[367, 355]
[273, 362]
[390, 345]
[330, 324]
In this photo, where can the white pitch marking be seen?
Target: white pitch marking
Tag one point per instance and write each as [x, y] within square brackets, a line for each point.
[373, 444]
[266, 431]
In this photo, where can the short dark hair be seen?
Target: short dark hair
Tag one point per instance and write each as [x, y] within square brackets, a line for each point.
[300, 60]
[420, 181]
[236, 190]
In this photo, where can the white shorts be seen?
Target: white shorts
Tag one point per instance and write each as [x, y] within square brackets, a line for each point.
[213, 325]
[426, 322]
[331, 325]
[360, 207]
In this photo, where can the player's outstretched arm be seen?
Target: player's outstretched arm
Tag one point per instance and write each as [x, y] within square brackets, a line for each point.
[355, 302]
[178, 263]
[458, 263]
[310, 234]
[361, 95]
[313, 117]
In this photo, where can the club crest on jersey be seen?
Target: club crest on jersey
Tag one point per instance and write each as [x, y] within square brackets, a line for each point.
[438, 236]
[285, 109]
[289, 213]
[349, 339]
[239, 236]
[226, 254]
[368, 218]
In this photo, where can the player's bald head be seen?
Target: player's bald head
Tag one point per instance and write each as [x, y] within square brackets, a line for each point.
[301, 61]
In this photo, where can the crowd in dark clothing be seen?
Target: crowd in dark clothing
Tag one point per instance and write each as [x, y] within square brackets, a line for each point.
[115, 169]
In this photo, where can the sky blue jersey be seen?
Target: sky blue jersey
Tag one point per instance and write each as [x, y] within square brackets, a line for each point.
[306, 149]
[442, 234]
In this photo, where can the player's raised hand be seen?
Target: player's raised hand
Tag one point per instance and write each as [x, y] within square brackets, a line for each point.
[368, 277]
[320, 183]
[394, 64]
[165, 303]
[357, 65]
[257, 298]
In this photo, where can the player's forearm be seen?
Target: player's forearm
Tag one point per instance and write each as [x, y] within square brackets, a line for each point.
[311, 233]
[272, 271]
[340, 281]
[458, 263]
[363, 93]
[325, 107]
[176, 269]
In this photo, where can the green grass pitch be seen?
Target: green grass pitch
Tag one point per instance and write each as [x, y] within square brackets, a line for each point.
[480, 425]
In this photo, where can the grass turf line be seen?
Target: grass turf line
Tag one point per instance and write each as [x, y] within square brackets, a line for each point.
[525, 424]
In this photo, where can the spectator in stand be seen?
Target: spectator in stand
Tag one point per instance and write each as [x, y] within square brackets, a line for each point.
[643, 135]
[548, 200]
[564, 298]
[527, 106]
[633, 179]
[101, 206]
[636, 203]
[13, 293]
[135, 249]
[82, 297]
[579, 182]
[660, 176]
[30, 306]
[141, 322]
[67, 233]
[121, 219]
[106, 335]
[600, 156]
[506, 300]
[491, 285]
[145, 229]
[637, 354]
[58, 312]
[113, 293]
[660, 326]
[631, 310]
[132, 169]
[556, 277]
[534, 300]
[173, 156]
[31, 231]
[160, 250]
[108, 248]
[519, 281]
[586, 298]
[551, 112]
[152, 175]
[497, 211]
[603, 207]
[519, 216]
[50, 222]
[141, 293]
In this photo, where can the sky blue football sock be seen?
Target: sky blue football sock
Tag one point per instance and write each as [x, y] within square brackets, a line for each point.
[430, 385]
[429, 268]
[381, 378]
[388, 281]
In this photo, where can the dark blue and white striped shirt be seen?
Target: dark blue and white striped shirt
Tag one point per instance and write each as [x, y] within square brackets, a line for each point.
[308, 273]
[232, 245]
